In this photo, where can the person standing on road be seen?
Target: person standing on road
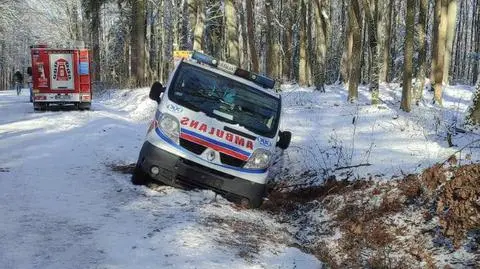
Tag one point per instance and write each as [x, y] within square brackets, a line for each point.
[18, 80]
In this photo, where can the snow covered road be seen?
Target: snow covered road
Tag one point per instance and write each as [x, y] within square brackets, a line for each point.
[61, 206]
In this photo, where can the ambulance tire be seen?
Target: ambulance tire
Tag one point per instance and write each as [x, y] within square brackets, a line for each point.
[139, 177]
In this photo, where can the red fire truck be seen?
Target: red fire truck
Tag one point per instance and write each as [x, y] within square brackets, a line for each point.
[61, 77]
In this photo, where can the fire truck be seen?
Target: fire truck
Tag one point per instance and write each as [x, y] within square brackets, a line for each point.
[60, 77]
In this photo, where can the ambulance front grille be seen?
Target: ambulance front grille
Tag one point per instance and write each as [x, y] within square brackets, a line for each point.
[192, 147]
[199, 149]
[232, 161]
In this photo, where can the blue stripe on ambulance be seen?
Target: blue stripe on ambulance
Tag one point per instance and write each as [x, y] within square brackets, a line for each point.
[170, 142]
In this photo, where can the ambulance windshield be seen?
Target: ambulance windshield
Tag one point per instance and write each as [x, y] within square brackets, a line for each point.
[225, 99]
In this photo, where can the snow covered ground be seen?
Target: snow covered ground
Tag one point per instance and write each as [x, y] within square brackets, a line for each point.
[62, 206]
[330, 135]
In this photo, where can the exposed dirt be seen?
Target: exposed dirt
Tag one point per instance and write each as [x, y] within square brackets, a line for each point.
[459, 202]
[122, 168]
[429, 220]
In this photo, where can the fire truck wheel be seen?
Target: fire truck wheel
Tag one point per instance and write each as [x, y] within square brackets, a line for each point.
[139, 177]
[83, 106]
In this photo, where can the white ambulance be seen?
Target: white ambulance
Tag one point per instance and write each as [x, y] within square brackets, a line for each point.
[216, 127]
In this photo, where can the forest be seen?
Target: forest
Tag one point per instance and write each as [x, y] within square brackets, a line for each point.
[312, 43]
[379, 98]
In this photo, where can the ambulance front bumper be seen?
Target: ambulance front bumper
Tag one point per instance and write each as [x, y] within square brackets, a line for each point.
[177, 171]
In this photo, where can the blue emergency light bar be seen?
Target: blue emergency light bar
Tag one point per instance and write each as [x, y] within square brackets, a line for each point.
[205, 59]
[261, 80]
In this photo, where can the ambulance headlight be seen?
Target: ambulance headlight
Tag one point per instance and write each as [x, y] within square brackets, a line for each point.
[260, 159]
[170, 127]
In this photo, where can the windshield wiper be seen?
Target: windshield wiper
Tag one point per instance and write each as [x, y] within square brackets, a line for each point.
[192, 106]
[206, 96]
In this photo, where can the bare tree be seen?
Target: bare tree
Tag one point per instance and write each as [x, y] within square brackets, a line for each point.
[422, 52]
[388, 8]
[370, 8]
[138, 43]
[408, 54]
[354, 49]
[251, 35]
[233, 51]
[269, 61]
[451, 26]
[441, 47]
[303, 70]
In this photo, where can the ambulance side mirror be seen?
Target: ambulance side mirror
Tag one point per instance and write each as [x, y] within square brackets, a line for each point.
[29, 70]
[284, 139]
[155, 91]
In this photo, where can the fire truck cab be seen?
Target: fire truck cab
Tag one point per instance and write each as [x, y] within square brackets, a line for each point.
[60, 77]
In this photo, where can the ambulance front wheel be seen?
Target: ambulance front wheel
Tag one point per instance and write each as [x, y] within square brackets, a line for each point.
[139, 177]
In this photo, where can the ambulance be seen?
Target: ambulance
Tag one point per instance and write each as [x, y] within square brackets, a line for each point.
[60, 77]
[216, 127]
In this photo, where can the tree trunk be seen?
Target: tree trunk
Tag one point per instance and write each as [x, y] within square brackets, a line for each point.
[138, 43]
[233, 54]
[408, 52]
[384, 68]
[347, 47]
[355, 21]
[441, 46]
[95, 38]
[422, 52]
[370, 7]
[76, 28]
[476, 67]
[321, 34]
[269, 55]
[167, 39]
[303, 65]
[192, 20]
[476, 64]
[473, 114]
[288, 60]
[451, 26]
[199, 26]
[436, 24]
[244, 60]
[251, 36]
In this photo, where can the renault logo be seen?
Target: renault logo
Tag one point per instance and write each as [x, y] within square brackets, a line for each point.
[211, 155]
